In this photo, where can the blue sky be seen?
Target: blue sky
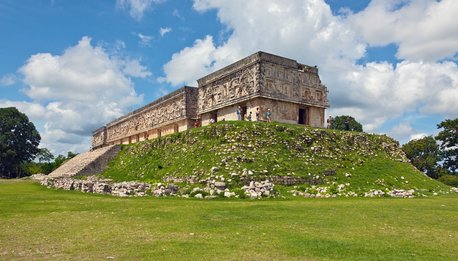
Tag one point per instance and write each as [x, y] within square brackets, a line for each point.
[73, 66]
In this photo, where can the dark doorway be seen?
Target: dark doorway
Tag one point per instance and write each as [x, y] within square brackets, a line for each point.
[302, 116]
[243, 113]
[214, 116]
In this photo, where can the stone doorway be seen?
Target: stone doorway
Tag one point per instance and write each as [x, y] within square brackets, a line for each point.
[302, 116]
[243, 112]
[214, 115]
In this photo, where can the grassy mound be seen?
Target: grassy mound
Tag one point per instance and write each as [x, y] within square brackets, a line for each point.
[313, 160]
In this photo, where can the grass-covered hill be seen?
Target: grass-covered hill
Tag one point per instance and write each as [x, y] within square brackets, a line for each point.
[311, 161]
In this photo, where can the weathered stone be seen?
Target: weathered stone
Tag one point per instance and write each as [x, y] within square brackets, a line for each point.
[87, 163]
[220, 185]
[261, 81]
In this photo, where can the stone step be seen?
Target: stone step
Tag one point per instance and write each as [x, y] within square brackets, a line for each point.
[87, 163]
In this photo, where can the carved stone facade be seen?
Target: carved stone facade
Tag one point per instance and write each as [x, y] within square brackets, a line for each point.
[292, 91]
[169, 114]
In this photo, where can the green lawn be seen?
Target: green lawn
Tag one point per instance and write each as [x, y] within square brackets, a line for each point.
[39, 223]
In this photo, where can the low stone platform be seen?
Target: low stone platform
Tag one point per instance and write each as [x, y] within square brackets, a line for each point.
[87, 163]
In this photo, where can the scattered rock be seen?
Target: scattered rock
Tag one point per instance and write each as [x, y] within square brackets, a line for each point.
[220, 185]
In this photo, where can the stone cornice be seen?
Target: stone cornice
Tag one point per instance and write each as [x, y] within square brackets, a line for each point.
[151, 105]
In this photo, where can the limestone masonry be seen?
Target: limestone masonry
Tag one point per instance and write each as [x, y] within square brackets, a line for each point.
[87, 163]
[292, 91]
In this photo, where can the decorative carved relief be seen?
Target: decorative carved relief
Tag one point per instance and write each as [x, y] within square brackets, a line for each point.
[260, 74]
[98, 138]
[234, 86]
[295, 85]
[148, 119]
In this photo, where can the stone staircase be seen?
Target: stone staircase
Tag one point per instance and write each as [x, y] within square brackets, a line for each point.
[87, 163]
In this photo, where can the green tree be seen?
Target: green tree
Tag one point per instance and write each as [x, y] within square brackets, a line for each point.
[71, 155]
[423, 154]
[338, 123]
[19, 141]
[44, 155]
[61, 159]
[449, 144]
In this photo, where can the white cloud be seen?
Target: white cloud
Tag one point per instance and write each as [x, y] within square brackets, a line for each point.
[164, 30]
[308, 32]
[417, 136]
[34, 111]
[137, 8]
[190, 63]
[376, 92]
[76, 92]
[424, 30]
[145, 40]
[402, 130]
[8, 79]
[132, 67]
[119, 45]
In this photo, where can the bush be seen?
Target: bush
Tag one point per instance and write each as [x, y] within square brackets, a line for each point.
[450, 180]
[240, 192]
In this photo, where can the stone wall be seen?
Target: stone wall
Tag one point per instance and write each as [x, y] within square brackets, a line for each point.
[316, 116]
[285, 85]
[99, 137]
[300, 84]
[236, 87]
[166, 115]
[293, 92]
[87, 163]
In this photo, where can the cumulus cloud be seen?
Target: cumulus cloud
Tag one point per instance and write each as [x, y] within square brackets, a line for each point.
[303, 29]
[133, 67]
[34, 111]
[418, 136]
[191, 63]
[164, 30]
[424, 30]
[77, 92]
[402, 130]
[308, 32]
[8, 79]
[375, 92]
[136, 8]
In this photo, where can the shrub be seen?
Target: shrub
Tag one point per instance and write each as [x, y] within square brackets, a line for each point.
[239, 192]
[450, 180]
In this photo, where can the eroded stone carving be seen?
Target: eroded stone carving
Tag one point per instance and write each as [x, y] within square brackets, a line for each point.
[149, 118]
[234, 86]
[303, 86]
[98, 138]
[259, 80]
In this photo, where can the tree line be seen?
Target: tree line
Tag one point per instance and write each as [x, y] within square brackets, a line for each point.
[436, 156]
[19, 152]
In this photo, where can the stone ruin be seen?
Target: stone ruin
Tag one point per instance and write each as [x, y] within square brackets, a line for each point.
[291, 90]
[262, 81]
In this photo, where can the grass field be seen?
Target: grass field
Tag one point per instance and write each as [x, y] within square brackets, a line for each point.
[39, 223]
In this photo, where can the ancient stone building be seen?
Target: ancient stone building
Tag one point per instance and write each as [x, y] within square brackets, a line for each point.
[292, 91]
